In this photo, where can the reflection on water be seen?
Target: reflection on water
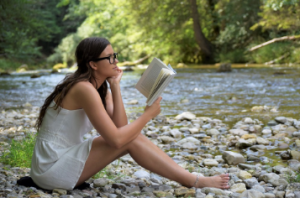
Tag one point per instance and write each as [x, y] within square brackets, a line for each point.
[227, 96]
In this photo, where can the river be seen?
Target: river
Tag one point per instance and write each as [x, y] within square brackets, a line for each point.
[202, 91]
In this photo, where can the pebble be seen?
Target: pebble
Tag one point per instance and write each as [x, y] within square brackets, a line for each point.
[193, 142]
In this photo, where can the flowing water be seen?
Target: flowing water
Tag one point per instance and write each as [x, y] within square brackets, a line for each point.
[202, 91]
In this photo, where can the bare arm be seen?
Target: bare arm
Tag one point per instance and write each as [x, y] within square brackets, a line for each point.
[115, 106]
[90, 101]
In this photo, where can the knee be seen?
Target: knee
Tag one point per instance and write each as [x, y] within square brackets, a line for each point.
[140, 139]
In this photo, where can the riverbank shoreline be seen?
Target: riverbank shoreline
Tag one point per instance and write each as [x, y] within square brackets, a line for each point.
[202, 145]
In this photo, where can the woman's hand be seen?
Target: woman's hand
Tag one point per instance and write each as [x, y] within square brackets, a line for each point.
[154, 109]
[115, 79]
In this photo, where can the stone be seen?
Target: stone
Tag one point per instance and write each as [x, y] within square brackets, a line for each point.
[239, 132]
[272, 123]
[210, 162]
[269, 195]
[232, 158]
[238, 188]
[279, 194]
[60, 191]
[251, 182]
[188, 145]
[185, 116]
[248, 121]
[218, 192]
[161, 194]
[190, 140]
[266, 131]
[258, 188]
[224, 67]
[193, 130]
[280, 119]
[248, 136]
[212, 132]
[252, 194]
[285, 155]
[101, 182]
[296, 124]
[244, 143]
[262, 141]
[176, 133]
[133, 102]
[243, 175]
[199, 194]
[296, 134]
[295, 155]
[166, 139]
[271, 178]
[142, 174]
[257, 147]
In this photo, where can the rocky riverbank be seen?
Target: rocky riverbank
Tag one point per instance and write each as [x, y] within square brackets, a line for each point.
[263, 159]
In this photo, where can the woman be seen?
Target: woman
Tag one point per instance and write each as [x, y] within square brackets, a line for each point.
[62, 159]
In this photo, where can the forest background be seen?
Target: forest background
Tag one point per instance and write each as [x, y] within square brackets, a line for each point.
[42, 33]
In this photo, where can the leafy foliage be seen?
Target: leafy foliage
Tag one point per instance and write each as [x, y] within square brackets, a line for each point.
[36, 29]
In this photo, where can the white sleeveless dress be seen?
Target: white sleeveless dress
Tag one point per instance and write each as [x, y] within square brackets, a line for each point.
[60, 151]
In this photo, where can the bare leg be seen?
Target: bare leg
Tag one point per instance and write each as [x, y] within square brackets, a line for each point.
[149, 156]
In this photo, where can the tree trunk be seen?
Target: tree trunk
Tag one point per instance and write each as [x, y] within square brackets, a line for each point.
[204, 44]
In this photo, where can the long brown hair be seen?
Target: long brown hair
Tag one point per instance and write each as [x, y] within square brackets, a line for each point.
[87, 50]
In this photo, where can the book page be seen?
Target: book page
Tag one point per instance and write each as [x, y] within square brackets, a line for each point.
[161, 78]
[146, 82]
[161, 88]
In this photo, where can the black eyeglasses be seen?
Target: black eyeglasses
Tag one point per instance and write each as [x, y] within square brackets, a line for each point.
[111, 58]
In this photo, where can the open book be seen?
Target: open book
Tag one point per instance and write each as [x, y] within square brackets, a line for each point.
[154, 80]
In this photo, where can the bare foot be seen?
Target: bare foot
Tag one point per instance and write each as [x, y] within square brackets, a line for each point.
[219, 181]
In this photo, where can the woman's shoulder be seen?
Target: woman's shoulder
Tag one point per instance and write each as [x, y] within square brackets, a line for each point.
[83, 87]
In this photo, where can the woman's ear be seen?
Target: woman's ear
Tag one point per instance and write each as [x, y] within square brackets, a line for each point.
[93, 65]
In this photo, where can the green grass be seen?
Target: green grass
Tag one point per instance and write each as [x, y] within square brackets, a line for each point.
[293, 178]
[20, 152]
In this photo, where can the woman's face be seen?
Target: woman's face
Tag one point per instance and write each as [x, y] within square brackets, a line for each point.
[104, 67]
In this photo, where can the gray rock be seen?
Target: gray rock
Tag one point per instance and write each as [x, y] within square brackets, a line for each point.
[210, 162]
[156, 178]
[272, 123]
[296, 124]
[258, 188]
[142, 174]
[100, 182]
[257, 147]
[239, 132]
[262, 141]
[252, 194]
[176, 133]
[199, 194]
[185, 116]
[296, 134]
[60, 191]
[243, 143]
[166, 139]
[280, 119]
[269, 195]
[271, 178]
[233, 158]
[279, 194]
[251, 182]
[189, 140]
[212, 132]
